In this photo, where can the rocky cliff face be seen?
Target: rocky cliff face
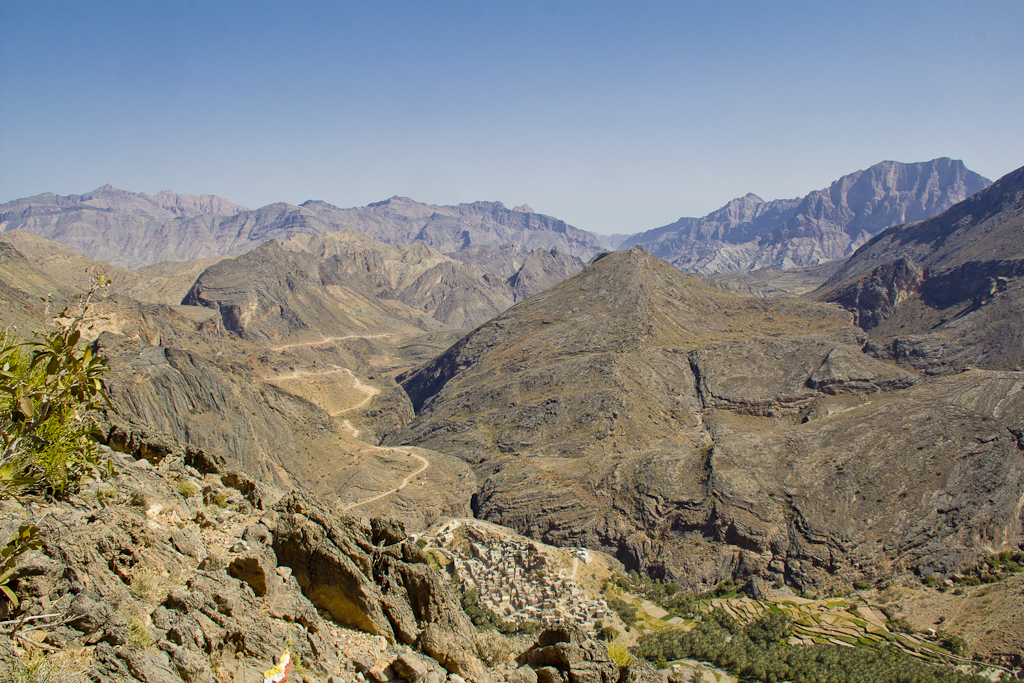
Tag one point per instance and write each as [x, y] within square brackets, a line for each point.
[284, 415]
[945, 293]
[239, 421]
[698, 434]
[129, 230]
[689, 242]
[749, 233]
[165, 575]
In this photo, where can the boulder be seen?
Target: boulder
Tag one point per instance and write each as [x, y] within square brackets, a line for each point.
[369, 577]
[567, 654]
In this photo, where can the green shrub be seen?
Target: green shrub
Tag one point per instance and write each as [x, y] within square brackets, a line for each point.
[49, 387]
[773, 627]
[901, 624]
[25, 540]
[625, 611]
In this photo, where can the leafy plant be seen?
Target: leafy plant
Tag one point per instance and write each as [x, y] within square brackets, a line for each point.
[17, 545]
[49, 385]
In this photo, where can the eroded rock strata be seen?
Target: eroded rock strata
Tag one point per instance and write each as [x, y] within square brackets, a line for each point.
[700, 435]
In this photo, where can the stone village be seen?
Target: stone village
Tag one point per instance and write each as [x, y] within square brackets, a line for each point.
[515, 577]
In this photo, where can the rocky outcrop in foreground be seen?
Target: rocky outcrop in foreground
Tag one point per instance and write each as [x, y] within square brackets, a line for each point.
[168, 575]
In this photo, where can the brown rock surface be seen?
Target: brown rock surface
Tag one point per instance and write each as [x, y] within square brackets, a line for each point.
[946, 293]
[372, 578]
[749, 233]
[695, 433]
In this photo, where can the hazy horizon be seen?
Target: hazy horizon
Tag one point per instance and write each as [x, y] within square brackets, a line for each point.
[616, 119]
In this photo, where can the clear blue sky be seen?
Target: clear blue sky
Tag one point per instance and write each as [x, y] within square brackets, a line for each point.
[616, 117]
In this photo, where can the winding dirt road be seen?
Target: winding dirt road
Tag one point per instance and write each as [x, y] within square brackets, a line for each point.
[401, 485]
[327, 340]
[347, 426]
[358, 386]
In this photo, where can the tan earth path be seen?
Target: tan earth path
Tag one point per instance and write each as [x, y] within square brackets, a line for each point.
[327, 340]
[370, 392]
[359, 386]
[347, 426]
[401, 485]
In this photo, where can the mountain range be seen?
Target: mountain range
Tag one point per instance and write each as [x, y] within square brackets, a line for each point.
[345, 282]
[131, 230]
[750, 233]
[694, 433]
[858, 422]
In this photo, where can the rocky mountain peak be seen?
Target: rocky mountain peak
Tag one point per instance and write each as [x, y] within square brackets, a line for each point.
[524, 208]
[748, 233]
[395, 200]
[943, 294]
[317, 204]
[632, 376]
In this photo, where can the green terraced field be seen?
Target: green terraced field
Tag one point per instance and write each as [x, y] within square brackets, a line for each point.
[846, 622]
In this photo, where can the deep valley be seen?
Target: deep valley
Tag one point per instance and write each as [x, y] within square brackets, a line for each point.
[812, 408]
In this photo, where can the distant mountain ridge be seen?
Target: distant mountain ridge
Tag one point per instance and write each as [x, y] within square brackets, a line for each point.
[134, 229]
[750, 233]
[347, 282]
[947, 293]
